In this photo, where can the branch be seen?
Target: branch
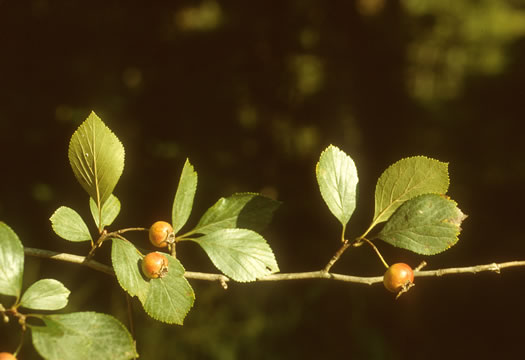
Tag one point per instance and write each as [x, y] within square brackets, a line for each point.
[76, 259]
[321, 274]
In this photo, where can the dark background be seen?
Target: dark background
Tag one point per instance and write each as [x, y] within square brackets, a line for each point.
[252, 92]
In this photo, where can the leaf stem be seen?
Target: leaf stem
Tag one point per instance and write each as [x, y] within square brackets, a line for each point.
[360, 238]
[185, 235]
[19, 347]
[377, 252]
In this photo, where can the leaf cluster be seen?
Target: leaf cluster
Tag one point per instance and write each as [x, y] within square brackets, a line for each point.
[409, 198]
[228, 231]
[77, 335]
[411, 206]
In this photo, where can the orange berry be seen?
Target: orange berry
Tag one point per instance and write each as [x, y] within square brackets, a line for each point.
[398, 277]
[161, 234]
[7, 356]
[155, 265]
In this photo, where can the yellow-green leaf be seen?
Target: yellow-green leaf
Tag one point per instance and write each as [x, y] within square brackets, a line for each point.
[110, 211]
[97, 158]
[183, 202]
[11, 262]
[427, 224]
[82, 336]
[69, 225]
[337, 179]
[241, 254]
[407, 179]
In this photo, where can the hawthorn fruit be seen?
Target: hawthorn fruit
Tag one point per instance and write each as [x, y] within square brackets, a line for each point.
[161, 234]
[154, 265]
[398, 277]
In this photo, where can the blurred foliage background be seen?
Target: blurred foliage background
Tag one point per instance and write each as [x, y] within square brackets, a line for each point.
[252, 92]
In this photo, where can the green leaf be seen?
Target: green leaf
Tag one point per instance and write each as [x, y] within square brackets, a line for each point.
[183, 202]
[97, 158]
[427, 224]
[240, 254]
[110, 211]
[126, 263]
[83, 336]
[242, 210]
[68, 224]
[407, 179]
[167, 299]
[337, 179]
[11, 262]
[45, 294]
[171, 297]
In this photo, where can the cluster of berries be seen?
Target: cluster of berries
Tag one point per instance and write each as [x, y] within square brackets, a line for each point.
[154, 264]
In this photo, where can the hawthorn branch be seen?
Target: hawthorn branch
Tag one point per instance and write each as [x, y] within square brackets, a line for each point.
[75, 259]
[321, 274]
[336, 256]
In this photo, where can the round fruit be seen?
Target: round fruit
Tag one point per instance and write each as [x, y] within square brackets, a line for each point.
[7, 356]
[154, 265]
[398, 277]
[161, 234]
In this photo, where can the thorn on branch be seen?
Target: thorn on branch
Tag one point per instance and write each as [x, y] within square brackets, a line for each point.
[421, 266]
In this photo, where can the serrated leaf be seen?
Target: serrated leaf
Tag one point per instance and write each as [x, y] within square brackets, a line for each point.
[168, 299]
[110, 211]
[68, 224]
[171, 297]
[83, 336]
[241, 210]
[337, 178]
[11, 262]
[45, 294]
[407, 179]
[184, 196]
[427, 224]
[97, 158]
[241, 254]
[126, 263]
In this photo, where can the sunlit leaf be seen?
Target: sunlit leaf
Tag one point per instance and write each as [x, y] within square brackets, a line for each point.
[83, 336]
[171, 297]
[167, 299]
[427, 224]
[11, 262]
[68, 224]
[407, 179]
[97, 158]
[242, 210]
[241, 254]
[337, 179]
[126, 262]
[45, 294]
[110, 211]
[183, 202]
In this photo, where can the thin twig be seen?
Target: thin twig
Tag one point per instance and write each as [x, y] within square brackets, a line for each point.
[122, 231]
[336, 256]
[321, 274]
[105, 235]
